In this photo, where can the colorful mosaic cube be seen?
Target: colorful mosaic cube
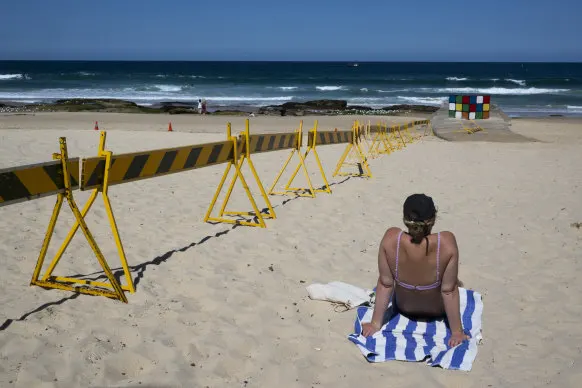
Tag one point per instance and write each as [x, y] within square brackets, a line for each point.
[469, 107]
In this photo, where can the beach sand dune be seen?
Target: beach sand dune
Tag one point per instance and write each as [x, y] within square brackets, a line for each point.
[221, 306]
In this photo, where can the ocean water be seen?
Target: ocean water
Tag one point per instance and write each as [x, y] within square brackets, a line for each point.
[519, 89]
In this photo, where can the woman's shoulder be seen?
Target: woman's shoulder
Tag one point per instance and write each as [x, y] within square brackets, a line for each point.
[448, 241]
[447, 236]
[392, 232]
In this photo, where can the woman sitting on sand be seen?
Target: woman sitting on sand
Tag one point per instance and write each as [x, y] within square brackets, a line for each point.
[418, 271]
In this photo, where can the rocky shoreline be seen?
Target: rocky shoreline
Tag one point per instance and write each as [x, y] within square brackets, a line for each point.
[315, 107]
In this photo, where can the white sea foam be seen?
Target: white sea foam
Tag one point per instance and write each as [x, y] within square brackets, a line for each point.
[498, 91]
[329, 88]
[244, 98]
[11, 76]
[86, 74]
[287, 87]
[423, 100]
[363, 89]
[574, 108]
[131, 94]
[168, 88]
[516, 81]
[456, 79]
[393, 90]
[368, 101]
[494, 79]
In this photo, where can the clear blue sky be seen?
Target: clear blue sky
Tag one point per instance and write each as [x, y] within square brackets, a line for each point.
[382, 30]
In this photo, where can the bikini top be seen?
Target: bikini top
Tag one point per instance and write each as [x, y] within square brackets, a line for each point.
[419, 288]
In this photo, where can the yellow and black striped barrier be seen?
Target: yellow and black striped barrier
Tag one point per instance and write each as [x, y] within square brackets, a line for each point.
[33, 181]
[148, 164]
[112, 289]
[308, 191]
[270, 142]
[106, 169]
[242, 147]
[62, 177]
[354, 155]
[328, 138]
[386, 139]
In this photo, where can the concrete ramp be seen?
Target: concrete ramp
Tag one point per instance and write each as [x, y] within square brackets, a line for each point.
[497, 128]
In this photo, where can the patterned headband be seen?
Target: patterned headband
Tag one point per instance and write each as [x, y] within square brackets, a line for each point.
[419, 223]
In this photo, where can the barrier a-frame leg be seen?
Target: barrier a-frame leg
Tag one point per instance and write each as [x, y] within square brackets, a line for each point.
[237, 163]
[311, 147]
[371, 141]
[112, 289]
[409, 136]
[428, 129]
[402, 143]
[377, 142]
[363, 167]
[298, 191]
[385, 141]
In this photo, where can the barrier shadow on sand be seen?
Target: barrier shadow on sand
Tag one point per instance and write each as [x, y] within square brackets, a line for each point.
[139, 270]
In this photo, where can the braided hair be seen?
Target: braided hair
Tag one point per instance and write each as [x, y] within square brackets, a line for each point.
[419, 216]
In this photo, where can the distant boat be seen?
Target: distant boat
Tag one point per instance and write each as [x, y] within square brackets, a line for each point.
[353, 65]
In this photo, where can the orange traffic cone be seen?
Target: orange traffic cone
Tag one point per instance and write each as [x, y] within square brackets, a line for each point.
[170, 127]
[96, 126]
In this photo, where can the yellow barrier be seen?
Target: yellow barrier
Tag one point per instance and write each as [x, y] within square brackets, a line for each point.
[35, 181]
[62, 176]
[365, 138]
[354, 151]
[382, 144]
[148, 164]
[113, 289]
[472, 128]
[325, 137]
[296, 150]
[242, 151]
[98, 173]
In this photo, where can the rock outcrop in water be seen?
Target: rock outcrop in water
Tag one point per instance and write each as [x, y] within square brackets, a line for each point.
[302, 108]
[292, 108]
[337, 107]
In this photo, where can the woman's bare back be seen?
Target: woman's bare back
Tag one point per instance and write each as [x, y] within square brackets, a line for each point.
[417, 267]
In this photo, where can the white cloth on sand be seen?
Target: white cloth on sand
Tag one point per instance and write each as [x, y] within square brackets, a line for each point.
[342, 294]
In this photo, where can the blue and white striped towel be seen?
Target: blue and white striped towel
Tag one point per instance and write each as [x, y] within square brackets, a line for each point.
[407, 340]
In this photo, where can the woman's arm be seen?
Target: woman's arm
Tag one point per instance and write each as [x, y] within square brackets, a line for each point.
[450, 294]
[383, 292]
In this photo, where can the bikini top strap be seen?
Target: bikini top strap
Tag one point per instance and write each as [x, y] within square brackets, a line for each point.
[397, 253]
[438, 258]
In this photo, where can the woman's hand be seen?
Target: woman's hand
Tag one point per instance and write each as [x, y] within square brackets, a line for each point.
[369, 329]
[457, 338]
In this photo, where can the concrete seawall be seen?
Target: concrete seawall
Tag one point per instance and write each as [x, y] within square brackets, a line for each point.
[497, 128]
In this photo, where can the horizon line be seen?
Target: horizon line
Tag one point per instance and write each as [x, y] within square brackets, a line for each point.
[286, 61]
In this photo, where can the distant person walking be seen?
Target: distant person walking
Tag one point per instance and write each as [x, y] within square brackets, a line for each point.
[204, 107]
[199, 106]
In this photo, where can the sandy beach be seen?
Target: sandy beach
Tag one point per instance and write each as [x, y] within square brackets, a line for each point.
[218, 306]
